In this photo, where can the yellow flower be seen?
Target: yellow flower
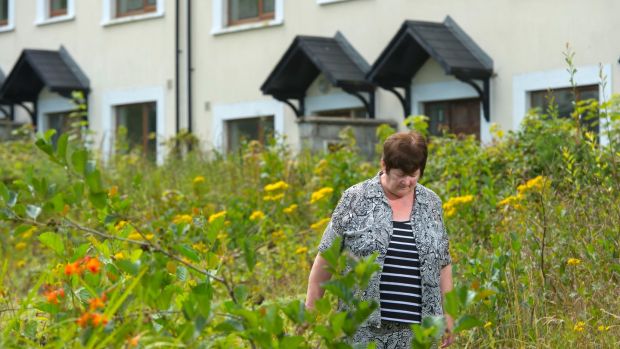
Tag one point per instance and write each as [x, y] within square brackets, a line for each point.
[277, 235]
[113, 191]
[488, 324]
[200, 247]
[119, 255]
[579, 326]
[280, 185]
[290, 209]
[320, 167]
[450, 206]
[137, 236]
[320, 194]
[320, 224]
[21, 263]
[273, 197]
[21, 246]
[215, 216]
[603, 328]
[28, 233]
[573, 261]
[182, 218]
[120, 225]
[301, 250]
[257, 215]
[198, 180]
[534, 184]
[509, 201]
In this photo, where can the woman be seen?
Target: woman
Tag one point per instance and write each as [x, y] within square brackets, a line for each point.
[401, 220]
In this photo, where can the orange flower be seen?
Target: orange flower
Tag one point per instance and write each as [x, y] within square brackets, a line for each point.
[52, 296]
[82, 321]
[93, 265]
[72, 268]
[98, 319]
[133, 341]
[96, 303]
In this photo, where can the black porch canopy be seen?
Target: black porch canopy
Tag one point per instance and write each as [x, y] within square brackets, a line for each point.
[36, 69]
[417, 41]
[5, 106]
[306, 58]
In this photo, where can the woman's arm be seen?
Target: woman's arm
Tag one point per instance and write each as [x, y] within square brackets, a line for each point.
[318, 275]
[445, 285]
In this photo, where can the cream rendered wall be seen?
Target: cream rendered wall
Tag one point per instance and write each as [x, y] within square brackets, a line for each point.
[129, 57]
[524, 36]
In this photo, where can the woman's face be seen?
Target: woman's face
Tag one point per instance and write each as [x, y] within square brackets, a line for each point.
[399, 183]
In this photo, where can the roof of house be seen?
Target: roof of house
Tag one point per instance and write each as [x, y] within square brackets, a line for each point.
[417, 41]
[36, 69]
[307, 57]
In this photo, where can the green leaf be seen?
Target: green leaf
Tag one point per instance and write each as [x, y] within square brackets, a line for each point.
[33, 211]
[99, 200]
[465, 323]
[241, 293]
[93, 180]
[46, 147]
[127, 266]
[78, 160]
[61, 148]
[53, 241]
[4, 192]
[188, 252]
[451, 303]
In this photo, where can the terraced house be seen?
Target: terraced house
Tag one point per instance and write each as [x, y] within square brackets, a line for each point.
[233, 70]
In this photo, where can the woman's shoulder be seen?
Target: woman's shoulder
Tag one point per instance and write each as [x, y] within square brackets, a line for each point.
[426, 194]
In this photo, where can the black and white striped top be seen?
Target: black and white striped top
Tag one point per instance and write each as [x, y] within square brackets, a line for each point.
[400, 285]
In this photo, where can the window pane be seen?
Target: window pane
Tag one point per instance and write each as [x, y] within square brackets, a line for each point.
[58, 5]
[61, 122]
[130, 5]
[243, 9]
[245, 130]
[140, 122]
[4, 10]
[563, 98]
[151, 2]
[268, 6]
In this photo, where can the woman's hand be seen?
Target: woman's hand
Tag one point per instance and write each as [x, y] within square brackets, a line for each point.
[448, 337]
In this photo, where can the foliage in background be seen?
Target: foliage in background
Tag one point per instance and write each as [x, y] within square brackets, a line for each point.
[214, 250]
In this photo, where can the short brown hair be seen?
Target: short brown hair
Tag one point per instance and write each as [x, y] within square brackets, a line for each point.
[406, 151]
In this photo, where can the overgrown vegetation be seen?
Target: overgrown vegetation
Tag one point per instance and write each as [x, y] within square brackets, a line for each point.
[214, 251]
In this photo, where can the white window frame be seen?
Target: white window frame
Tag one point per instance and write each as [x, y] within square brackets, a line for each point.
[524, 84]
[245, 110]
[327, 2]
[445, 91]
[10, 26]
[220, 18]
[109, 14]
[43, 13]
[51, 103]
[112, 99]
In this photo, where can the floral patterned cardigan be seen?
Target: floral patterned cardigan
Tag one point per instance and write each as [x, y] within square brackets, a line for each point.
[363, 218]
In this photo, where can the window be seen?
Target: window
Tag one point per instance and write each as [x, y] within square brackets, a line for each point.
[230, 16]
[134, 7]
[563, 98]
[57, 8]
[4, 12]
[244, 11]
[139, 121]
[54, 11]
[455, 116]
[61, 122]
[343, 113]
[248, 129]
